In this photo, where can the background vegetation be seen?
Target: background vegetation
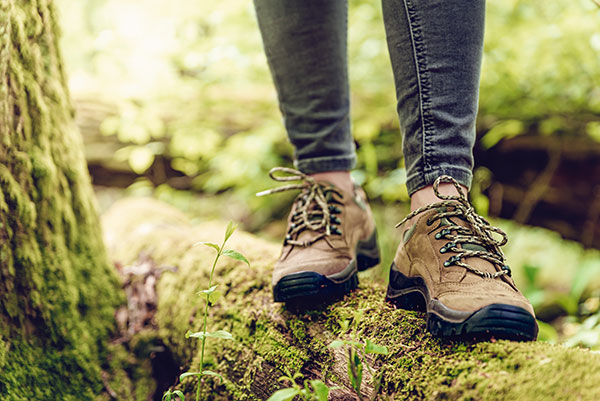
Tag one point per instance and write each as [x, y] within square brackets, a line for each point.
[179, 92]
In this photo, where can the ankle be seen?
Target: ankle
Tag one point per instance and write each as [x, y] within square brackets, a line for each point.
[426, 196]
[340, 179]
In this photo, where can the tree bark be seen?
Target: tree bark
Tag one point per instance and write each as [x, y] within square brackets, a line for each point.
[270, 339]
[58, 292]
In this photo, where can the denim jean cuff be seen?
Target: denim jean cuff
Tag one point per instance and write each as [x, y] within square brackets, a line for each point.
[463, 175]
[328, 163]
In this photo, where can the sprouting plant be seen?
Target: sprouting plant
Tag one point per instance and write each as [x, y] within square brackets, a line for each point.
[170, 395]
[317, 390]
[357, 351]
[211, 295]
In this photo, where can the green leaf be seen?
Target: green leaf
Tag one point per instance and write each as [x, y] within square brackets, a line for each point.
[321, 390]
[583, 277]
[198, 334]
[547, 333]
[179, 394]
[208, 291]
[188, 374]
[336, 344]
[503, 130]
[531, 272]
[222, 334]
[373, 348]
[344, 325]
[231, 226]
[210, 244]
[167, 396]
[214, 297]
[211, 373]
[285, 394]
[212, 293]
[236, 255]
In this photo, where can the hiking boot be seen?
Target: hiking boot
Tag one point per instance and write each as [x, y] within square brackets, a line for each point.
[450, 266]
[330, 237]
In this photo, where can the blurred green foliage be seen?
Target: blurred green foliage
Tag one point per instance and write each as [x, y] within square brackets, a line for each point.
[189, 80]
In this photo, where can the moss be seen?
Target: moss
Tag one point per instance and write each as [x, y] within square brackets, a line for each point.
[129, 378]
[57, 290]
[270, 339]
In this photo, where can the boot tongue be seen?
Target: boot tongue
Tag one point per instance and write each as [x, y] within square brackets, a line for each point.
[474, 247]
[455, 220]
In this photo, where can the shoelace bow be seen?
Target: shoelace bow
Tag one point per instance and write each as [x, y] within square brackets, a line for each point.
[313, 211]
[480, 232]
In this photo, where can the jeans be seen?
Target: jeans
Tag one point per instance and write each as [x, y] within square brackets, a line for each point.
[435, 47]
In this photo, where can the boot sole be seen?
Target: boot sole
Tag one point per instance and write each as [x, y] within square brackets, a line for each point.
[314, 289]
[498, 321]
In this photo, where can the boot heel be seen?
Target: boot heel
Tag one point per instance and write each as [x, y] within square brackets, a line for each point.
[367, 253]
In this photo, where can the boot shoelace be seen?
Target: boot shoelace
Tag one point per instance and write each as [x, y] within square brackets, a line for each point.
[479, 233]
[315, 206]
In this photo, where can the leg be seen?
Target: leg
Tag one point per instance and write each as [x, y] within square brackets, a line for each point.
[331, 233]
[436, 48]
[449, 263]
[305, 44]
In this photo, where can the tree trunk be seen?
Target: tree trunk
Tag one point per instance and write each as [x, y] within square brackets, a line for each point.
[57, 290]
[270, 339]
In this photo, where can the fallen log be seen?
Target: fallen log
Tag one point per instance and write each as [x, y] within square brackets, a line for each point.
[270, 340]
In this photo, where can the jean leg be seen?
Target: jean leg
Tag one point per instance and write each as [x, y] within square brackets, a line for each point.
[436, 48]
[305, 45]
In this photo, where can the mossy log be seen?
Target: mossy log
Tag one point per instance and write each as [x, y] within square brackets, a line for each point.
[270, 340]
[58, 292]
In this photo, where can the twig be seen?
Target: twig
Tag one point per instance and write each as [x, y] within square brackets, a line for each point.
[112, 393]
[540, 186]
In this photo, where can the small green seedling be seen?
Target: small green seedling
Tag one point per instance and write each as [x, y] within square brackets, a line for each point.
[357, 351]
[211, 296]
[317, 391]
[171, 395]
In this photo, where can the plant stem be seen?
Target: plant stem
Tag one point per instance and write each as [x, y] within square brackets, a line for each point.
[212, 270]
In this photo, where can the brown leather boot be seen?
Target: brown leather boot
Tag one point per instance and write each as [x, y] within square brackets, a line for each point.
[450, 265]
[331, 236]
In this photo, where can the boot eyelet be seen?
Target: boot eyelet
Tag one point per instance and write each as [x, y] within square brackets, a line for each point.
[506, 268]
[443, 249]
[451, 261]
[438, 236]
[429, 222]
[336, 230]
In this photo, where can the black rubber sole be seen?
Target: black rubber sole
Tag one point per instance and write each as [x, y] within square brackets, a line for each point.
[311, 289]
[498, 321]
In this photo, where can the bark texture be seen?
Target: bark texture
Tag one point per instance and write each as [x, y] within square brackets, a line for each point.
[270, 339]
[57, 290]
